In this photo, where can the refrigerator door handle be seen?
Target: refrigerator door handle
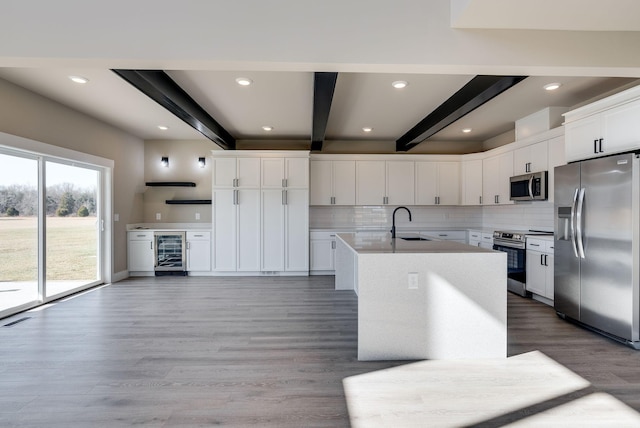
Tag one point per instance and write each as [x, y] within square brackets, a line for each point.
[573, 223]
[579, 238]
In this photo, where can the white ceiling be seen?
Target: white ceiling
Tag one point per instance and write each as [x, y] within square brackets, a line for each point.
[204, 46]
[575, 15]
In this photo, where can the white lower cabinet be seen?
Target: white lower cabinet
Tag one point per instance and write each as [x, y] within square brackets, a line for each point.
[448, 235]
[141, 256]
[474, 238]
[540, 267]
[487, 240]
[322, 253]
[198, 251]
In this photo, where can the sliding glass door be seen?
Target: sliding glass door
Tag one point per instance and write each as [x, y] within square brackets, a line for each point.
[50, 229]
[72, 228]
[18, 232]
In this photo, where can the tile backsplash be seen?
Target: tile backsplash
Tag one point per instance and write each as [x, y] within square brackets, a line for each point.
[534, 215]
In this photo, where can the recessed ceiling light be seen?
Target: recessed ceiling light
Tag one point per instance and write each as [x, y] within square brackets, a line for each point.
[466, 130]
[267, 128]
[367, 129]
[162, 127]
[243, 81]
[79, 79]
[399, 84]
[552, 86]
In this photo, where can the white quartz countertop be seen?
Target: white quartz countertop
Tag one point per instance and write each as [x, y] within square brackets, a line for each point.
[169, 226]
[372, 243]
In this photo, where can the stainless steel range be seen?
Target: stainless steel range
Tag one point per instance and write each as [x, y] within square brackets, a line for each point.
[514, 244]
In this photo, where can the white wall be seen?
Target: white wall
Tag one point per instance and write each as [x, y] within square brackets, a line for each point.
[26, 114]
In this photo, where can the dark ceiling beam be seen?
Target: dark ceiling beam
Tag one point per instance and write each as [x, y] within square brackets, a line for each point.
[157, 85]
[324, 84]
[475, 93]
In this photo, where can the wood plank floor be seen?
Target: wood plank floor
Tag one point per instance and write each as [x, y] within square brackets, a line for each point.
[191, 352]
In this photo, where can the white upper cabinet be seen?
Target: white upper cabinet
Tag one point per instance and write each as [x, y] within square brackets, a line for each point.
[380, 182]
[236, 172]
[604, 127]
[321, 182]
[332, 182]
[437, 183]
[285, 172]
[531, 158]
[400, 183]
[370, 182]
[472, 182]
[495, 179]
[273, 173]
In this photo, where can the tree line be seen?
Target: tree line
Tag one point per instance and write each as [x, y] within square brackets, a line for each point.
[62, 200]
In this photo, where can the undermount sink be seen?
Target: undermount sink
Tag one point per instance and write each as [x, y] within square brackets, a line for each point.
[414, 238]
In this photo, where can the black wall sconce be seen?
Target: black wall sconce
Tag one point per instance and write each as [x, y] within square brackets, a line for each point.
[164, 161]
[201, 162]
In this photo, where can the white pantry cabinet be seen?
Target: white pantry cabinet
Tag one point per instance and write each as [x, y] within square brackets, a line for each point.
[496, 172]
[332, 182]
[285, 230]
[265, 228]
[236, 230]
[437, 183]
[285, 172]
[236, 173]
[604, 127]
[472, 182]
[198, 251]
[140, 251]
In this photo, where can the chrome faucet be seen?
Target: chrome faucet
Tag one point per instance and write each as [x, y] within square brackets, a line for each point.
[393, 225]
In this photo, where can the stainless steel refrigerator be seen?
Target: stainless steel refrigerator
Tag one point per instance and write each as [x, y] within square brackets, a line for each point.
[597, 223]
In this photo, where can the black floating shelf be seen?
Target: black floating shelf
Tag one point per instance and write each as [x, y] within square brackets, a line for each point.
[188, 201]
[170, 184]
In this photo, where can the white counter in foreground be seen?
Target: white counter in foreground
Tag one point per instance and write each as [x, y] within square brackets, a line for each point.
[424, 299]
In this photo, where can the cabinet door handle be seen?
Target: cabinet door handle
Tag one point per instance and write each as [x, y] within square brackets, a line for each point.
[545, 260]
[333, 200]
[286, 197]
[480, 198]
[542, 259]
[600, 145]
[595, 146]
[151, 247]
[535, 245]
[333, 245]
[188, 245]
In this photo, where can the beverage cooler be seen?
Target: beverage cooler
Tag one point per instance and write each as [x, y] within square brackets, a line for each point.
[170, 253]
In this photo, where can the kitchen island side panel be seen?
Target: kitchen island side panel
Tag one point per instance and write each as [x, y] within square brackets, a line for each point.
[457, 308]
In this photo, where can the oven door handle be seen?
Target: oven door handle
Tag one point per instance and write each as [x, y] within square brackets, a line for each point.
[574, 245]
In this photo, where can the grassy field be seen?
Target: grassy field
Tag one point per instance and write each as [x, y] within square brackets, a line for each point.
[71, 248]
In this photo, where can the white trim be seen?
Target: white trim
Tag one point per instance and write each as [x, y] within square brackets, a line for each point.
[35, 147]
[119, 276]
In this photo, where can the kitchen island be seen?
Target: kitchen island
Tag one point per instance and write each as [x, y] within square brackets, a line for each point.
[424, 299]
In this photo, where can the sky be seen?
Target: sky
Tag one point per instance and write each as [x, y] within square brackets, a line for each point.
[17, 170]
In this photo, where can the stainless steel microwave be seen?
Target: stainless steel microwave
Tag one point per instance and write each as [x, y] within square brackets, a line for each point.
[529, 187]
